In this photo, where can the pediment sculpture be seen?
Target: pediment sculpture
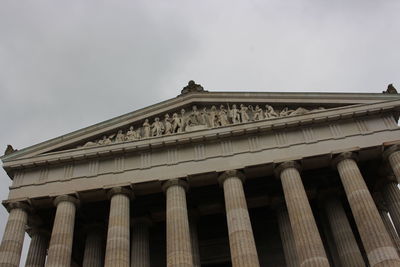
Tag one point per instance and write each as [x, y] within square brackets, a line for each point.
[197, 119]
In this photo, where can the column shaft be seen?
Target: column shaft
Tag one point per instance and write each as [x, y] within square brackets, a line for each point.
[195, 242]
[286, 233]
[13, 238]
[60, 248]
[93, 254]
[241, 238]
[375, 238]
[37, 249]
[389, 227]
[118, 237]
[346, 244]
[179, 250]
[140, 250]
[394, 161]
[391, 194]
[310, 249]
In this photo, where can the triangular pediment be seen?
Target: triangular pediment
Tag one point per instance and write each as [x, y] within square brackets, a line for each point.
[200, 111]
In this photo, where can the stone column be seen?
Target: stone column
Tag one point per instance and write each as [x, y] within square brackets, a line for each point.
[241, 238]
[346, 244]
[93, 255]
[383, 211]
[310, 249]
[376, 240]
[194, 239]
[140, 249]
[392, 154]
[287, 238]
[60, 248]
[118, 236]
[179, 249]
[391, 194]
[13, 238]
[38, 248]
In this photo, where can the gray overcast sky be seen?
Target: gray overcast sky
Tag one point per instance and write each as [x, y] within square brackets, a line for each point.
[65, 65]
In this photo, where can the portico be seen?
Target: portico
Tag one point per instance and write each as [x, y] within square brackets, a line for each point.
[126, 192]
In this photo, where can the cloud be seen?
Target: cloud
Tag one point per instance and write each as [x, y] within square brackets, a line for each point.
[67, 65]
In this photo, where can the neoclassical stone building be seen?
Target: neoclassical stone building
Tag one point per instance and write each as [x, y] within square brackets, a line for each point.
[215, 179]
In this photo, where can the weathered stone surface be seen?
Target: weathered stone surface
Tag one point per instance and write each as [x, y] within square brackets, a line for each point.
[376, 240]
[37, 249]
[140, 245]
[179, 250]
[310, 249]
[93, 255]
[118, 236]
[13, 238]
[287, 238]
[60, 248]
[346, 244]
[241, 238]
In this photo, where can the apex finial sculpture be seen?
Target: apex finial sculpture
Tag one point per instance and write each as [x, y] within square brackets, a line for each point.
[9, 150]
[192, 87]
[390, 90]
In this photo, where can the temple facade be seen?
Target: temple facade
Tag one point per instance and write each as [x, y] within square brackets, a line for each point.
[243, 179]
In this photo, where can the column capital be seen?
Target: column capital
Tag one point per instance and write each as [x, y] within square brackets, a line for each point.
[286, 165]
[18, 205]
[66, 198]
[174, 182]
[230, 174]
[343, 156]
[388, 151]
[120, 191]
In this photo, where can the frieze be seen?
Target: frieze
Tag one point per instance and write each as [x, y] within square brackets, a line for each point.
[197, 119]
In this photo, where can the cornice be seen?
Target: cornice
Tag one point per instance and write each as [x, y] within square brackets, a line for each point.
[333, 99]
[324, 116]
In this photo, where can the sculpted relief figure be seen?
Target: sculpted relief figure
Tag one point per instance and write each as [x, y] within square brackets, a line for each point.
[120, 137]
[243, 113]
[213, 119]
[132, 135]
[198, 120]
[167, 124]
[223, 116]
[270, 112]
[176, 123]
[234, 114]
[146, 128]
[157, 127]
[257, 113]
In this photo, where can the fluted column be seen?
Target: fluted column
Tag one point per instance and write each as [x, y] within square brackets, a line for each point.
[392, 154]
[38, 248]
[118, 235]
[383, 211]
[13, 237]
[140, 249]
[287, 238]
[241, 238]
[391, 194]
[310, 249]
[60, 248]
[179, 250]
[194, 239]
[346, 244]
[375, 238]
[93, 255]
